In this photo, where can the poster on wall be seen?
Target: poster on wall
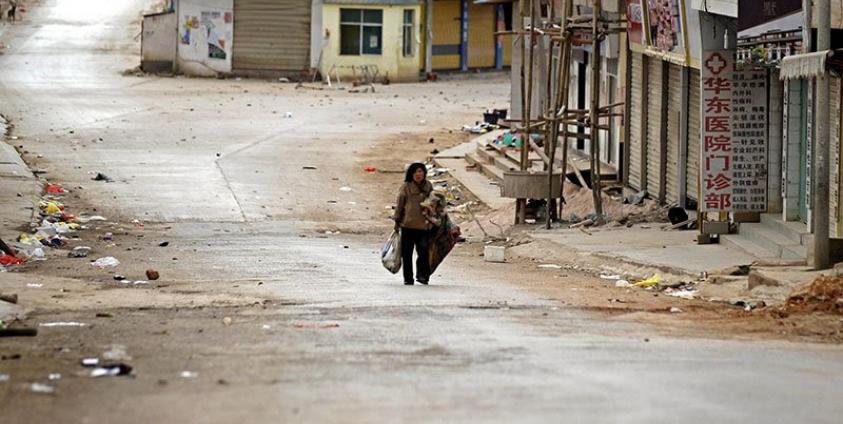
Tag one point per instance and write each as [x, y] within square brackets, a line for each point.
[214, 24]
[665, 26]
[635, 21]
[189, 24]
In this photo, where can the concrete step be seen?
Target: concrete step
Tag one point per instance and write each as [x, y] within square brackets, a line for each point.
[484, 167]
[782, 245]
[796, 231]
[742, 242]
[493, 158]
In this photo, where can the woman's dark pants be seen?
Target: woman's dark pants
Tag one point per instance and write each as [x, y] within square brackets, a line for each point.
[420, 239]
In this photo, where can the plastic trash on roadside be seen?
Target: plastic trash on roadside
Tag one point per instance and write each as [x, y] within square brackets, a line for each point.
[108, 261]
[391, 253]
[7, 260]
[650, 282]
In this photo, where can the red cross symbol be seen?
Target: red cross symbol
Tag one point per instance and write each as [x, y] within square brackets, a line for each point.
[715, 63]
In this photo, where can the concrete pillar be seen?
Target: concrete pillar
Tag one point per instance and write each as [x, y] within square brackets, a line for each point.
[500, 25]
[463, 35]
[775, 115]
[821, 253]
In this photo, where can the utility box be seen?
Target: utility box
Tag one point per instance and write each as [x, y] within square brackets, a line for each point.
[159, 36]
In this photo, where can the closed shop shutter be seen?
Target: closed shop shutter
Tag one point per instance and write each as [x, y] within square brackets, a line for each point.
[271, 35]
[834, 159]
[674, 133]
[654, 126]
[693, 176]
[446, 34]
[481, 36]
[636, 117]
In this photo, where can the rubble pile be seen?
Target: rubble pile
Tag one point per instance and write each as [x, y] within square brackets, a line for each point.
[579, 206]
[824, 294]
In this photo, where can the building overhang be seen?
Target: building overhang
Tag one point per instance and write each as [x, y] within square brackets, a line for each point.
[717, 7]
[810, 65]
[374, 2]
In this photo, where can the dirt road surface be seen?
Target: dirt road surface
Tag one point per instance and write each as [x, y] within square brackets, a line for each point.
[261, 316]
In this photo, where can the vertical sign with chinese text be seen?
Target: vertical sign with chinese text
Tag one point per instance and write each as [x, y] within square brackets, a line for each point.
[749, 140]
[716, 131]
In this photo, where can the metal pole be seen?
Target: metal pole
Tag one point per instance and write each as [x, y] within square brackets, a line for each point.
[428, 45]
[821, 164]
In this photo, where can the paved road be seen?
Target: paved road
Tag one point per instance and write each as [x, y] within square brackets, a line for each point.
[338, 339]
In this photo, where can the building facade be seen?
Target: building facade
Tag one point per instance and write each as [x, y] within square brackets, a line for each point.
[371, 40]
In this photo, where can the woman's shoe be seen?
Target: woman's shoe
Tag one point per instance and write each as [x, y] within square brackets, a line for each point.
[408, 283]
[422, 281]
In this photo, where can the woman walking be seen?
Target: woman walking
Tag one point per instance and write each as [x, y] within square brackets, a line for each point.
[414, 226]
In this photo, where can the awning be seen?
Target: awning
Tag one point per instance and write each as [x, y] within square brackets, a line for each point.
[807, 65]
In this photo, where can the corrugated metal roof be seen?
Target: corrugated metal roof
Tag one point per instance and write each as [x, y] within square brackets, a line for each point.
[374, 2]
[808, 65]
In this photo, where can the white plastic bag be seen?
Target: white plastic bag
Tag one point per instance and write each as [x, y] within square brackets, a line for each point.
[391, 253]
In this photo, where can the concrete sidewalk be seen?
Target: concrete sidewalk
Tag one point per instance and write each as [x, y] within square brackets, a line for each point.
[636, 252]
[19, 193]
[648, 245]
[19, 189]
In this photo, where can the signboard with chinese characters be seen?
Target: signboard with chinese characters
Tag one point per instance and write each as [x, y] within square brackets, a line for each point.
[752, 13]
[734, 135]
[716, 131]
[749, 140]
[635, 19]
[665, 25]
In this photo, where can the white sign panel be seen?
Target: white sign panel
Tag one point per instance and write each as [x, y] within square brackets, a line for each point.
[749, 140]
[734, 135]
[716, 131]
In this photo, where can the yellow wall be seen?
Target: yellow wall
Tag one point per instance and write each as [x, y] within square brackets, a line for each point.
[390, 62]
[481, 35]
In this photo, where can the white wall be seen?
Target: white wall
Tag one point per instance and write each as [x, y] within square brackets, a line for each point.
[317, 37]
[790, 152]
[158, 42]
[205, 36]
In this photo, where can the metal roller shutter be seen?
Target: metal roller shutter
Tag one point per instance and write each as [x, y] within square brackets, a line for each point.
[636, 116]
[834, 158]
[694, 138]
[655, 87]
[271, 35]
[674, 133]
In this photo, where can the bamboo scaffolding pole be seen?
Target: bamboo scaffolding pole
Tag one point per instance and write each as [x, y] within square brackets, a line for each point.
[595, 110]
[519, 204]
[562, 105]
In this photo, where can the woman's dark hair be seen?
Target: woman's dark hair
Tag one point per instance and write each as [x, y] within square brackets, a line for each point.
[412, 170]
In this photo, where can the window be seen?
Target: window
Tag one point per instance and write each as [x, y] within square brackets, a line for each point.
[408, 32]
[361, 31]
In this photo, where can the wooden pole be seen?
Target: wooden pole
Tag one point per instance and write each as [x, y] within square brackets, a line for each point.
[594, 110]
[6, 249]
[562, 101]
[553, 139]
[520, 204]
